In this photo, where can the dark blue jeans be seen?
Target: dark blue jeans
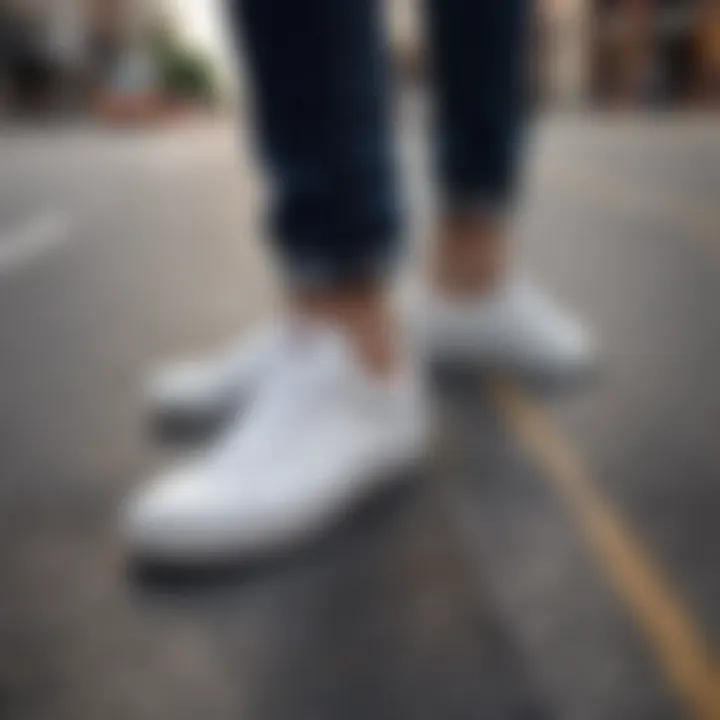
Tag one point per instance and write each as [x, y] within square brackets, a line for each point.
[320, 84]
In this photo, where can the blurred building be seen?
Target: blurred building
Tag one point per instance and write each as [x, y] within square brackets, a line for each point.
[558, 57]
[606, 52]
[641, 50]
[631, 52]
[55, 53]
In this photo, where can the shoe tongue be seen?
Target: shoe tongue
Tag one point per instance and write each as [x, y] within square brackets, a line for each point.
[304, 337]
[318, 347]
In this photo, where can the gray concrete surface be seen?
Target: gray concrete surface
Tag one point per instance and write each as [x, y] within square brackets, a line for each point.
[471, 595]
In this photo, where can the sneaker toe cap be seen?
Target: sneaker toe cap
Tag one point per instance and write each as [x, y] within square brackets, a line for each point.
[177, 515]
[182, 389]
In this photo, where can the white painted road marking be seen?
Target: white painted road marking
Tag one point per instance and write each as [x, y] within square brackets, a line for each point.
[32, 239]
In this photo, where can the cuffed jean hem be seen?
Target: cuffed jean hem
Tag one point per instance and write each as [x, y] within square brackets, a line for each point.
[315, 272]
[495, 207]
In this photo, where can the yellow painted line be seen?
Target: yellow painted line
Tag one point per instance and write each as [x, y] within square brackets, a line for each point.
[640, 199]
[678, 645]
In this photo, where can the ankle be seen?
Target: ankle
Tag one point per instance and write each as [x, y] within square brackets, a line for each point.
[362, 313]
[471, 254]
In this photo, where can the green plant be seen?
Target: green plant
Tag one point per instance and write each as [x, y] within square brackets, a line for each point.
[184, 72]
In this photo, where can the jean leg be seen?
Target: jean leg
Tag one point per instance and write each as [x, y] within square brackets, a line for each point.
[478, 54]
[319, 81]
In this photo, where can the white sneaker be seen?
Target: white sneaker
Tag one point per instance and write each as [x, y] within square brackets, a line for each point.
[516, 328]
[207, 390]
[321, 434]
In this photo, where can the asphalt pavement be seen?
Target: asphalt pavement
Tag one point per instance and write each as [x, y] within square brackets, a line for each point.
[559, 560]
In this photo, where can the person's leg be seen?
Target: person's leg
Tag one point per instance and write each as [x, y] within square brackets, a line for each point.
[478, 310]
[479, 61]
[319, 89]
[319, 80]
[336, 411]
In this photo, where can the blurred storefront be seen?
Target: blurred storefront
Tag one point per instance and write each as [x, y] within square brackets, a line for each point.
[55, 55]
[627, 52]
[606, 52]
[708, 52]
[655, 52]
[640, 50]
[559, 58]
[33, 71]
